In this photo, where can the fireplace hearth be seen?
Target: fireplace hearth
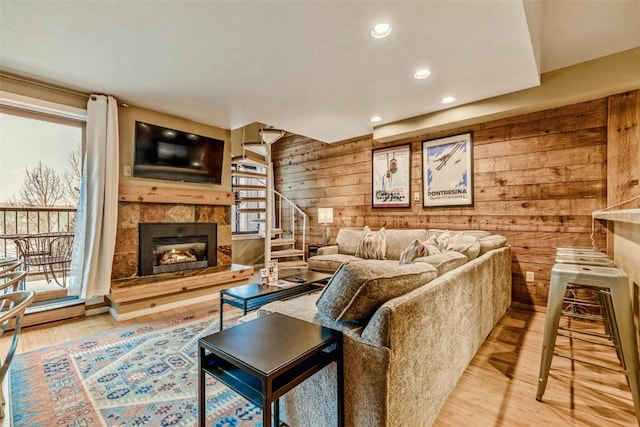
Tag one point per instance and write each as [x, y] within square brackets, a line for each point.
[171, 247]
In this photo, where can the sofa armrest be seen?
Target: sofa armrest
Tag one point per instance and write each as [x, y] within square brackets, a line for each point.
[328, 250]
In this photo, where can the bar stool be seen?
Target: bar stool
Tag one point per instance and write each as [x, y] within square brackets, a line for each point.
[615, 305]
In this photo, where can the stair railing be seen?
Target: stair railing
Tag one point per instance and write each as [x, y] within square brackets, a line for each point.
[293, 209]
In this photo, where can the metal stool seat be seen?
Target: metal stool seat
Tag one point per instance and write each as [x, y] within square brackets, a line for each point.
[612, 286]
[590, 252]
[566, 258]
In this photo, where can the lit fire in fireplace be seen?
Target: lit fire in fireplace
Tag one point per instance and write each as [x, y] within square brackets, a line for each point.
[177, 256]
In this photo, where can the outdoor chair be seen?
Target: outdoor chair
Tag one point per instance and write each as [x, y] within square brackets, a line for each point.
[11, 281]
[50, 253]
[11, 316]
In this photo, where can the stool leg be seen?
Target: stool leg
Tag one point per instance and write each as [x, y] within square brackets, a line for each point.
[557, 290]
[628, 343]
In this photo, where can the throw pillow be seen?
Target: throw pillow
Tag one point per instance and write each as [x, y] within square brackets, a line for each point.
[465, 244]
[410, 253]
[372, 244]
[492, 242]
[358, 288]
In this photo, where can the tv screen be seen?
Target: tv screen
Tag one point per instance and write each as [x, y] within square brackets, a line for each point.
[174, 155]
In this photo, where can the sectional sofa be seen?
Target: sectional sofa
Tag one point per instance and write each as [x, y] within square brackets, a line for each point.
[404, 354]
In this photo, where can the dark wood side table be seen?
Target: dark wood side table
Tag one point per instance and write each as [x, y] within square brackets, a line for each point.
[312, 250]
[265, 358]
[253, 296]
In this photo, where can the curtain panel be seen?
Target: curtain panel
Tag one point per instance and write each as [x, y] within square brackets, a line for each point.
[96, 220]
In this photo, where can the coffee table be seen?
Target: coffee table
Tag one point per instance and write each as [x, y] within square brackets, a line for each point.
[254, 295]
[265, 358]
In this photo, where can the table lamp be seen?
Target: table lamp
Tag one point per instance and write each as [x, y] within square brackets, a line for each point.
[325, 217]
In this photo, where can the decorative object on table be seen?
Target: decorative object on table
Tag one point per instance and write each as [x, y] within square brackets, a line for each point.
[273, 272]
[447, 175]
[264, 276]
[325, 217]
[391, 177]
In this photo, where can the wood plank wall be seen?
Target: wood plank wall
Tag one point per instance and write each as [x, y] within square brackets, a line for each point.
[537, 178]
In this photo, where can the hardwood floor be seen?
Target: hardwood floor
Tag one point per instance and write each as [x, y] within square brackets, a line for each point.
[497, 389]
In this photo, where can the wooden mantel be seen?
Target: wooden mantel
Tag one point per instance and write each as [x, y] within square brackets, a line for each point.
[142, 193]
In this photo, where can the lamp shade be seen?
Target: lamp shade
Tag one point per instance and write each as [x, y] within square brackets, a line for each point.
[325, 215]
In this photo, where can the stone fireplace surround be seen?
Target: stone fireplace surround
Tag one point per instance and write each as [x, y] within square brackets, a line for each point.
[132, 295]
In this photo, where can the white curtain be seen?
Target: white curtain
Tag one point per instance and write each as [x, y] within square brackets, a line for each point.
[96, 220]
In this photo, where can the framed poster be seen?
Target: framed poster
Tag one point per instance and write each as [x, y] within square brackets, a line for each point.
[447, 174]
[391, 180]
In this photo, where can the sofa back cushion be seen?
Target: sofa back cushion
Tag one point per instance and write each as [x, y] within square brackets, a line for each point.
[347, 240]
[398, 240]
[492, 242]
[434, 232]
[358, 288]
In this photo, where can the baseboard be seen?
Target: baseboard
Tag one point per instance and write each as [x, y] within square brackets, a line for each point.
[213, 297]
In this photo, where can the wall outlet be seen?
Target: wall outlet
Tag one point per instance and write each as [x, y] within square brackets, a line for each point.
[127, 171]
[530, 277]
[416, 196]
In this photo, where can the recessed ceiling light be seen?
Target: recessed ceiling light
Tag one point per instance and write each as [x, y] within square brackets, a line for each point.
[381, 30]
[421, 74]
[448, 99]
[375, 119]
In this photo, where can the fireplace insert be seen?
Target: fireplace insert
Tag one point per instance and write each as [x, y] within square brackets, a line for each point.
[170, 247]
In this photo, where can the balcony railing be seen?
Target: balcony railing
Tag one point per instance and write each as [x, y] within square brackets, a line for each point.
[18, 222]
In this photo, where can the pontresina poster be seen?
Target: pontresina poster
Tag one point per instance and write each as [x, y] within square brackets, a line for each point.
[448, 171]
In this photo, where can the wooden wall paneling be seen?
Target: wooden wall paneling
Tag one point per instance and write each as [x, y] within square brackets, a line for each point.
[537, 179]
[623, 136]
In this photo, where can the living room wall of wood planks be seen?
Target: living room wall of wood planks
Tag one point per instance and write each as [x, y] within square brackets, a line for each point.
[537, 179]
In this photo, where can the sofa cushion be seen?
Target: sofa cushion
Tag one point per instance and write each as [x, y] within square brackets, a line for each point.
[358, 288]
[398, 240]
[467, 245]
[492, 242]
[347, 240]
[444, 262]
[475, 233]
[329, 263]
[372, 244]
[415, 249]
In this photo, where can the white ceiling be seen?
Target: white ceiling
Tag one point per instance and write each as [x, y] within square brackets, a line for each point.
[309, 67]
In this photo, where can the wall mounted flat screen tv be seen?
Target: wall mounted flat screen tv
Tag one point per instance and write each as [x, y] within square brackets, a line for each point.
[175, 155]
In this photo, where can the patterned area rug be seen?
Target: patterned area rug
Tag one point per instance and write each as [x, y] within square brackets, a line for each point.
[140, 375]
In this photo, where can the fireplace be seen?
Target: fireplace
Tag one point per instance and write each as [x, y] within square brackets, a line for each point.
[170, 247]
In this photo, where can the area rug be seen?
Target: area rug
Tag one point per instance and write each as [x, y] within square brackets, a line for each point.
[140, 375]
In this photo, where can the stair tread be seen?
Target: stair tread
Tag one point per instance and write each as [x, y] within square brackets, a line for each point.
[248, 174]
[244, 160]
[282, 242]
[247, 187]
[251, 199]
[250, 210]
[287, 253]
[257, 220]
[256, 147]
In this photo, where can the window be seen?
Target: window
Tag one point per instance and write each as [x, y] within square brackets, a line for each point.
[41, 151]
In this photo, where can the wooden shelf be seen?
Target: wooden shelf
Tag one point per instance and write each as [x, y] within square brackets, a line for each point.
[623, 215]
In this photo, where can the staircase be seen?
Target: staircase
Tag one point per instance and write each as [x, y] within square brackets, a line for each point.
[258, 203]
